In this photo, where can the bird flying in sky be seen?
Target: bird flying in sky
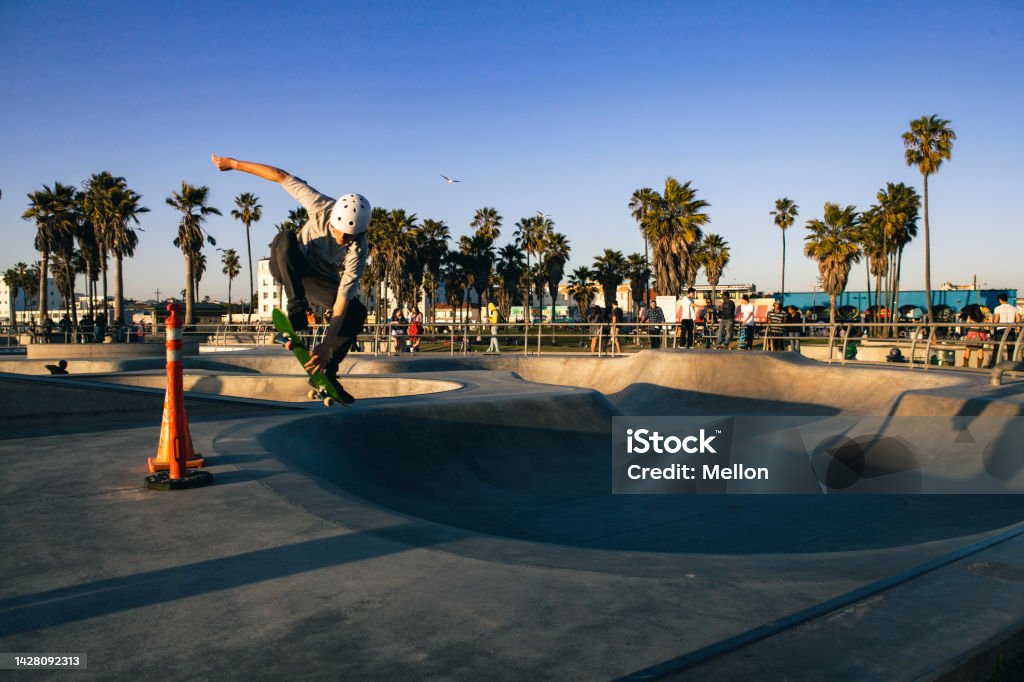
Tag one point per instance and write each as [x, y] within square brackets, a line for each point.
[449, 180]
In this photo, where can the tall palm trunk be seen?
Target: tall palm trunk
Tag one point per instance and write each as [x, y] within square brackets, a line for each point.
[782, 292]
[105, 315]
[867, 277]
[252, 291]
[189, 280]
[832, 308]
[896, 284]
[44, 260]
[927, 255]
[118, 288]
[229, 300]
[878, 331]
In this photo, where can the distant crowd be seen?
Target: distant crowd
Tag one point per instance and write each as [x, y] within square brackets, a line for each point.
[88, 330]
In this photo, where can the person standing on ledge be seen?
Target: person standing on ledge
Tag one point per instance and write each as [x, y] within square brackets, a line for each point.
[322, 263]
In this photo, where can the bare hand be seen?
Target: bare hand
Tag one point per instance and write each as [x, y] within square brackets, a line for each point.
[289, 345]
[222, 163]
[314, 364]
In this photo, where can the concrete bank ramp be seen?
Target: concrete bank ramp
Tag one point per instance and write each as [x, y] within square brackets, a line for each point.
[538, 468]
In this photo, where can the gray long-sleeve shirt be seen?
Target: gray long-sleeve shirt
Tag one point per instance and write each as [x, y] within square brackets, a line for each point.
[324, 254]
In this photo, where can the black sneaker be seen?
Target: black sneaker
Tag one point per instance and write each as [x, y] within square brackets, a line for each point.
[346, 397]
[297, 315]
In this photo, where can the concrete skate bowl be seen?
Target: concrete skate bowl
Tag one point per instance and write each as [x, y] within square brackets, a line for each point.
[288, 389]
[698, 382]
[535, 466]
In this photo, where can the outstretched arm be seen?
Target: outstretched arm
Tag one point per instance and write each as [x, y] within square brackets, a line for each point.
[225, 163]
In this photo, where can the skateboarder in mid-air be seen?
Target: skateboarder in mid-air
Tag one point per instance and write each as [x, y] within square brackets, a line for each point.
[321, 264]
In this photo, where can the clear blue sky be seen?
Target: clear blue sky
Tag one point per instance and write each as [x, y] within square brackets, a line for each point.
[561, 107]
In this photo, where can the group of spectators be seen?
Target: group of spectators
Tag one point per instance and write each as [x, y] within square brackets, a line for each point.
[402, 329]
[88, 330]
[785, 326]
[976, 335]
[695, 325]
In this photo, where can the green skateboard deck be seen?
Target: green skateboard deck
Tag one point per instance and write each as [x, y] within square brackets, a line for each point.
[323, 388]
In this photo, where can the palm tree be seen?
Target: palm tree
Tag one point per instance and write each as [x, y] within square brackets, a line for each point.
[51, 209]
[509, 266]
[582, 289]
[13, 282]
[296, 219]
[928, 143]
[876, 257]
[30, 285]
[609, 271]
[785, 213]
[248, 212]
[530, 235]
[68, 219]
[556, 254]
[90, 252]
[478, 259]
[232, 268]
[121, 239]
[453, 276]
[99, 205]
[638, 273]
[191, 201]
[899, 205]
[537, 280]
[198, 270]
[714, 256]
[672, 224]
[435, 236]
[376, 266]
[487, 223]
[834, 242]
[397, 242]
[641, 204]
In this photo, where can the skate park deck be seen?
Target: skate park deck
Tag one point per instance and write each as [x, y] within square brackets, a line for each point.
[435, 534]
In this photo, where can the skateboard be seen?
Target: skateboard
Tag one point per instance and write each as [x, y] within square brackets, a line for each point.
[323, 388]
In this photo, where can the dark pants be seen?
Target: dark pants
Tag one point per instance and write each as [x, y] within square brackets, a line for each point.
[749, 332]
[352, 322]
[1011, 336]
[301, 282]
[686, 333]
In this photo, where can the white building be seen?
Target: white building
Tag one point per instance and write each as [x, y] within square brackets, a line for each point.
[25, 307]
[269, 294]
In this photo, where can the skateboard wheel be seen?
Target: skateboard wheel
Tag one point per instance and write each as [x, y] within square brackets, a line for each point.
[312, 395]
[328, 401]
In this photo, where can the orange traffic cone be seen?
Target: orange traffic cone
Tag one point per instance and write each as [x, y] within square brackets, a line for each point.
[165, 449]
[174, 431]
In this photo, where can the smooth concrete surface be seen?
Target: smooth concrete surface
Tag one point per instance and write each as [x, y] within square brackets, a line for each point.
[469, 533]
[104, 351]
[278, 388]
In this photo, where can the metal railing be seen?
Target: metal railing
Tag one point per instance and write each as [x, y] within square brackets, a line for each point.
[922, 342]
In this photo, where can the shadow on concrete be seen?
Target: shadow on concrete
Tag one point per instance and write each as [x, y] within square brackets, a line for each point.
[653, 400]
[102, 597]
[551, 483]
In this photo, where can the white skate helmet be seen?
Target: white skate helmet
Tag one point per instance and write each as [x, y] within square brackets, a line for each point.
[351, 214]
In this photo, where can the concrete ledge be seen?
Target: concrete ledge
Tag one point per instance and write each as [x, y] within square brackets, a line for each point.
[28, 400]
[101, 351]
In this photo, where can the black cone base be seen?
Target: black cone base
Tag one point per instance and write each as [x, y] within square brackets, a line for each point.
[193, 478]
